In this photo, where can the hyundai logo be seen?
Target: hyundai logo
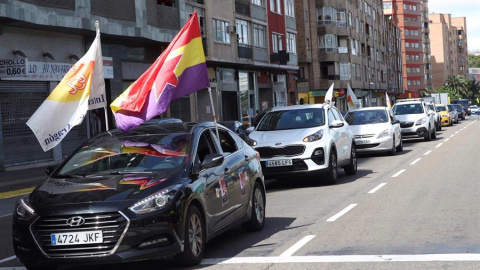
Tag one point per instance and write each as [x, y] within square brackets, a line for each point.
[76, 221]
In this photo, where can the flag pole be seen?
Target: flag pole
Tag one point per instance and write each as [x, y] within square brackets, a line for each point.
[213, 111]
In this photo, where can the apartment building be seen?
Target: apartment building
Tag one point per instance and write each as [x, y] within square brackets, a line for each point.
[250, 48]
[427, 55]
[393, 58]
[449, 47]
[407, 15]
[342, 42]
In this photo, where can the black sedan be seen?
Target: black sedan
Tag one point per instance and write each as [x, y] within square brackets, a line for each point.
[158, 191]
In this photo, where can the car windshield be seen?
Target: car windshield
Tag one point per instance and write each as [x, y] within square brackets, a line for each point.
[135, 154]
[441, 108]
[292, 119]
[473, 107]
[401, 109]
[451, 108]
[366, 117]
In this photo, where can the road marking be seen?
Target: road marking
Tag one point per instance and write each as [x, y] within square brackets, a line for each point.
[341, 213]
[466, 257]
[7, 259]
[438, 145]
[451, 136]
[377, 188]
[289, 252]
[15, 193]
[446, 140]
[415, 161]
[398, 173]
[456, 132]
[6, 215]
[427, 153]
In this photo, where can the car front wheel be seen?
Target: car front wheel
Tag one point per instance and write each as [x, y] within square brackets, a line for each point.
[332, 175]
[194, 238]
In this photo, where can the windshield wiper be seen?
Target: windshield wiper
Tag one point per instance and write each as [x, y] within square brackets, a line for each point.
[124, 172]
[68, 176]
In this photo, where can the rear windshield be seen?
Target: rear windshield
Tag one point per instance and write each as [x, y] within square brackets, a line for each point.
[401, 109]
[292, 119]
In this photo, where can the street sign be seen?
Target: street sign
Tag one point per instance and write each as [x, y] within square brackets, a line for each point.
[13, 68]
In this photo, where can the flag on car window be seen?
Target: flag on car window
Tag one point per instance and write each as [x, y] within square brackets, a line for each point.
[388, 102]
[67, 104]
[352, 101]
[180, 70]
[329, 95]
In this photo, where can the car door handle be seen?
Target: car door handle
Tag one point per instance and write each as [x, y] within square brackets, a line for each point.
[227, 169]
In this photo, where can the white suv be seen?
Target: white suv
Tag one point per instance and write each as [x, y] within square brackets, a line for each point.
[304, 140]
[416, 118]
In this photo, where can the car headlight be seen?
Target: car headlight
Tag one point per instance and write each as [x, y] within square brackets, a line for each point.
[421, 121]
[23, 209]
[155, 201]
[314, 137]
[384, 133]
[251, 142]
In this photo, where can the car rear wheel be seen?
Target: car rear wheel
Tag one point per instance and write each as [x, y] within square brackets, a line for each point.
[351, 168]
[429, 135]
[393, 151]
[257, 221]
[332, 174]
[434, 135]
[194, 238]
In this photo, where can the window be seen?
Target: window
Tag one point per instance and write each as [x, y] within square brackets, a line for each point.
[291, 43]
[227, 143]
[220, 30]
[242, 32]
[258, 2]
[259, 37]
[289, 8]
[277, 42]
[345, 71]
[275, 6]
[328, 41]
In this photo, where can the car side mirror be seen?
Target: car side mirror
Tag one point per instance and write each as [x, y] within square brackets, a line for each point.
[337, 124]
[395, 122]
[250, 130]
[49, 169]
[212, 160]
[430, 112]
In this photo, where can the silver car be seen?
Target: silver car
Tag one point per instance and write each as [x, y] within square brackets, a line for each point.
[453, 113]
[304, 140]
[375, 130]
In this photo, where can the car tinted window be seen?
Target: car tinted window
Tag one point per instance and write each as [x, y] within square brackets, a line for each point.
[292, 119]
[451, 108]
[129, 154]
[331, 117]
[401, 109]
[337, 114]
[227, 143]
[205, 146]
[441, 108]
[366, 117]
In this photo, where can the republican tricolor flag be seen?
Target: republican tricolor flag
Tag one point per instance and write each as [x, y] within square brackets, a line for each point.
[180, 70]
[67, 104]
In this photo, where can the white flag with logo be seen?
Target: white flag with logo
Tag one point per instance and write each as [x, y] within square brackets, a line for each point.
[329, 95]
[352, 101]
[67, 104]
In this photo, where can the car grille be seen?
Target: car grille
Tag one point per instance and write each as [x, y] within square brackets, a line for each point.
[365, 136]
[287, 151]
[366, 146]
[112, 225]
[406, 124]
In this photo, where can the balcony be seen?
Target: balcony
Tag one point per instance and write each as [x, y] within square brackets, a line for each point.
[242, 8]
[259, 13]
[260, 54]
[196, 1]
[244, 51]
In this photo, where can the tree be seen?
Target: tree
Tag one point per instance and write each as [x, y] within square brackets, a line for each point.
[458, 85]
[473, 88]
[474, 61]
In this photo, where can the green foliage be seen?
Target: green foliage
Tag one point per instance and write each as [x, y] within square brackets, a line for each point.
[474, 61]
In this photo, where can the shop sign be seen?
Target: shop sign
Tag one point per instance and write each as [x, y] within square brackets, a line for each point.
[13, 68]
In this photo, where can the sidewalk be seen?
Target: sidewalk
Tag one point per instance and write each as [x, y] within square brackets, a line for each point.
[21, 178]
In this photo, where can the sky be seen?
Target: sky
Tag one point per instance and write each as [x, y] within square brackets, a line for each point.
[462, 8]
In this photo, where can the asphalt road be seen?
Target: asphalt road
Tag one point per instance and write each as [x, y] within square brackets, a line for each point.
[415, 210]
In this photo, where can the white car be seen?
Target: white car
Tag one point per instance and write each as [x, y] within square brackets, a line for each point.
[375, 130]
[474, 109]
[304, 140]
[416, 119]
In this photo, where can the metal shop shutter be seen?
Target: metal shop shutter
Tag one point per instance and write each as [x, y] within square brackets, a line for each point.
[18, 101]
[75, 137]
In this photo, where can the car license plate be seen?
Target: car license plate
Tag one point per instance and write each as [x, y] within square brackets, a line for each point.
[407, 130]
[279, 163]
[362, 141]
[77, 238]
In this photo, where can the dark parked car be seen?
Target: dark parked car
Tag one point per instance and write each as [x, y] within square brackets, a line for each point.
[460, 110]
[158, 191]
[236, 127]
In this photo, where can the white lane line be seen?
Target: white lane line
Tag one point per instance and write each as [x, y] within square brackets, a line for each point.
[438, 145]
[465, 257]
[456, 132]
[428, 152]
[341, 213]
[451, 136]
[289, 252]
[377, 188]
[398, 173]
[415, 161]
[6, 215]
[7, 259]
[446, 140]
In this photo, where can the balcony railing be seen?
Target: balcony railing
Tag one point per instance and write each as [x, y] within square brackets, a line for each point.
[333, 23]
[244, 51]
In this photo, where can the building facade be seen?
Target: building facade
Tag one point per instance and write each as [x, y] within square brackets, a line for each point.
[449, 47]
[342, 42]
[407, 15]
